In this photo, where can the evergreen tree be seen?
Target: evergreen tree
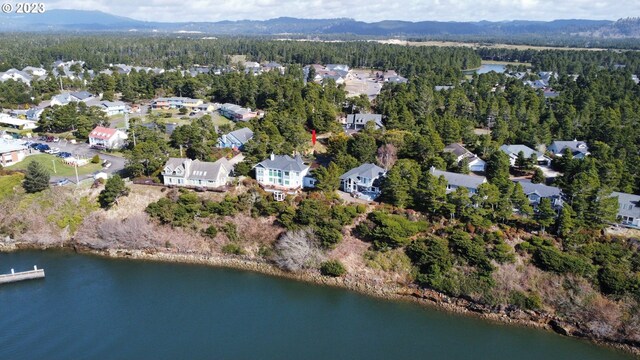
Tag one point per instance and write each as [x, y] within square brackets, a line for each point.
[545, 215]
[538, 176]
[565, 221]
[328, 177]
[520, 200]
[497, 170]
[36, 179]
[113, 189]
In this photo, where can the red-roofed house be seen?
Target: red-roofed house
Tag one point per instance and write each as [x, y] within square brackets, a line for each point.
[106, 138]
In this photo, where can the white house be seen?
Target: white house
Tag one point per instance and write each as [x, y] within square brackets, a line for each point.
[113, 107]
[364, 179]
[11, 152]
[514, 150]
[17, 75]
[236, 112]
[628, 209]
[461, 153]
[16, 123]
[196, 173]
[281, 173]
[455, 180]
[68, 97]
[106, 138]
[357, 122]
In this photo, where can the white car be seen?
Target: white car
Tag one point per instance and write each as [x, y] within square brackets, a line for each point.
[52, 151]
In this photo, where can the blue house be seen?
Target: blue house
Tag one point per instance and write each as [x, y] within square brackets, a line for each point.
[235, 139]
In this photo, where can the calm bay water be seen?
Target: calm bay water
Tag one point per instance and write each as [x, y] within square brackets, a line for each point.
[94, 308]
[485, 68]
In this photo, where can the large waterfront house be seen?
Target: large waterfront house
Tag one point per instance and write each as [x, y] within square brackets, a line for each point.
[365, 180]
[455, 180]
[579, 149]
[195, 173]
[11, 152]
[235, 139]
[281, 174]
[537, 192]
[236, 112]
[628, 209]
[461, 153]
[357, 122]
[513, 150]
[107, 138]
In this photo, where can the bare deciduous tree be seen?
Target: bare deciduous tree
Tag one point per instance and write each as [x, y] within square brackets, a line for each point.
[296, 250]
[387, 156]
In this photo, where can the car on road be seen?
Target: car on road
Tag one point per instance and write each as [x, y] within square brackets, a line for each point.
[62, 182]
[106, 164]
[64, 154]
[53, 151]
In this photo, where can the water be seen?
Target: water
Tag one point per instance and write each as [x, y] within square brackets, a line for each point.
[93, 308]
[485, 68]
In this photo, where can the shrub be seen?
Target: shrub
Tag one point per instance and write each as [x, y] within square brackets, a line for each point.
[233, 249]
[333, 268]
[210, 232]
[231, 231]
[95, 159]
[551, 259]
[361, 208]
[524, 301]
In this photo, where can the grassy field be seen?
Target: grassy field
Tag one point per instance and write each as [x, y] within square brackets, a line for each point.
[8, 183]
[62, 169]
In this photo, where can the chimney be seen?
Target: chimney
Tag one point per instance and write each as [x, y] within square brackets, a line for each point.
[272, 157]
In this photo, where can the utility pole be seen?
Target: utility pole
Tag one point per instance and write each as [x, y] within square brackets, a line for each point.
[54, 166]
[77, 178]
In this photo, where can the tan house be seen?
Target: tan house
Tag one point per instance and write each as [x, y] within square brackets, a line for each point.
[11, 152]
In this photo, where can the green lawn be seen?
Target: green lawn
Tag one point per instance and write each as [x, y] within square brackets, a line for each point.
[62, 169]
[218, 120]
[8, 183]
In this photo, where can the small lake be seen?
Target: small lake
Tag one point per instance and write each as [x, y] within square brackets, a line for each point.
[95, 308]
[485, 68]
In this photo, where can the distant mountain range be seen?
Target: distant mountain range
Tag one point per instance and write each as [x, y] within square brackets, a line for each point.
[79, 20]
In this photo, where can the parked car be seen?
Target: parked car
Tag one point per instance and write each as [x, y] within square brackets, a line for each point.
[62, 182]
[53, 151]
[106, 164]
[42, 147]
[64, 154]
[34, 145]
[49, 139]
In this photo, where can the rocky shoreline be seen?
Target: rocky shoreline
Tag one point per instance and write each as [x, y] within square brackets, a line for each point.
[500, 314]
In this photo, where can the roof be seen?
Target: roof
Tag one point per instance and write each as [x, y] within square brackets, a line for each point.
[17, 122]
[102, 133]
[514, 150]
[82, 95]
[625, 201]
[243, 135]
[199, 170]
[109, 104]
[362, 119]
[369, 171]
[9, 146]
[574, 146]
[456, 149]
[284, 162]
[468, 181]
[541, 189]
[442, 87]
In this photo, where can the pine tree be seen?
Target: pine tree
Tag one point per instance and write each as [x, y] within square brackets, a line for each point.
[520, 201]
[328, 177]
[546, 215]
[113, 189]
[538, 176]
[566, 222]
[36, 179]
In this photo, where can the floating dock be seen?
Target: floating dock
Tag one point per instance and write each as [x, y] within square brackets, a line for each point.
[20, 276]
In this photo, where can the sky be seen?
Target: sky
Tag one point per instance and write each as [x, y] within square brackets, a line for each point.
[363, 10]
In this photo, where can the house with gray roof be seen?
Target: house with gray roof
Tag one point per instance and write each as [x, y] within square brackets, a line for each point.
[537, 192]
[12, 152]
[357, 122]
[455, 180]
[281, 173]
[113, 107]
[195, 173]
[514, 150]
[579, 149]
[364, 179]
[236, 112]
[235, 139]
[628, 209]
[461, 153]
[68, 97]
[16, 75]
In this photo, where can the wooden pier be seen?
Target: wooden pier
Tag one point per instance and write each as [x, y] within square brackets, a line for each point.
[20, 276]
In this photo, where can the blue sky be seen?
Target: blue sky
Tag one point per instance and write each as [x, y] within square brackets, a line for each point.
[365, 10]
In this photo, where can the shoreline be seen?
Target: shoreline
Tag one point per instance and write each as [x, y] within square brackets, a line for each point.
[395, 292]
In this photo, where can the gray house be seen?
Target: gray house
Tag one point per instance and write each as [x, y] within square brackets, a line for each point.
[460, 152]
[235, 139]
[537, 192]
[579, 149]
[364, 179]
[357, 122]
[514, 150]
[196, 173]
[455, 180]
[281, 173]
[628, 209]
